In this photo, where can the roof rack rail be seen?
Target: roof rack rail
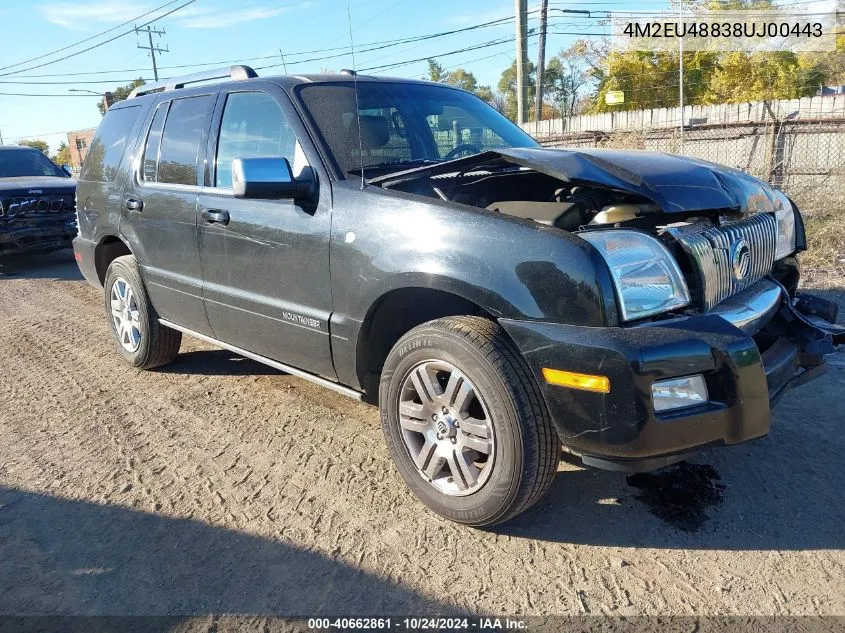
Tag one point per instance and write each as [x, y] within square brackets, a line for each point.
[235, 73]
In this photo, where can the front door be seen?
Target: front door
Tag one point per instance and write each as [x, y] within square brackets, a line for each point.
[265, 263]
[160, 209]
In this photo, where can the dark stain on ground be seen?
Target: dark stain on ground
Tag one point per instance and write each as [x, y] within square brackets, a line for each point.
[680, 495]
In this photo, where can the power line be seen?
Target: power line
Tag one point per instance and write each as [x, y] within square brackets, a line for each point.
[29, 94]
[372, 46]
[88, 39]
[67, 83]
[104, 42]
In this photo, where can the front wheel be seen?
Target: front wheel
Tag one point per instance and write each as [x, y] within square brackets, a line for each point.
[465, 423]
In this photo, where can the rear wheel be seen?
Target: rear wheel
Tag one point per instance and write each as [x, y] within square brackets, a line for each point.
[138, 336]
[465, 423]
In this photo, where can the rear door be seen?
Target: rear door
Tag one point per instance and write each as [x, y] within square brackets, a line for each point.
[160, 207]
[266, 267]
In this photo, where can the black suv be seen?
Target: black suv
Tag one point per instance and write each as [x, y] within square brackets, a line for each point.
[37, 211]
[402, 242]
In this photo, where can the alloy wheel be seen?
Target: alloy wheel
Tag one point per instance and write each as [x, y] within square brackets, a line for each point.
[125, 315]
[446, 428]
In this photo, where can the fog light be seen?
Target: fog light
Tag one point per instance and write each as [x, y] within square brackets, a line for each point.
[678, 393]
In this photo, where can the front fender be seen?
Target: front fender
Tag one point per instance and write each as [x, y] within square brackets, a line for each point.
[512, 268]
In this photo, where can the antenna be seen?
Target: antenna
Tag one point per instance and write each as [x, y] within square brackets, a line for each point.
[357, 105]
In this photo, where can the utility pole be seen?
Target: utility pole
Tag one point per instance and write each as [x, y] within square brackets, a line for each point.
[1, 137]
[521, 7]
[541, 60]
[152, 48]
[681, 73]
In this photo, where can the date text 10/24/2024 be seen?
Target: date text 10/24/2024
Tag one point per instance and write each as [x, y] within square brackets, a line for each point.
[418, 624]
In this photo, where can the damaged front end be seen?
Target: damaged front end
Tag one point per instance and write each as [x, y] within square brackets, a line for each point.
[36, 222]
[711, 331]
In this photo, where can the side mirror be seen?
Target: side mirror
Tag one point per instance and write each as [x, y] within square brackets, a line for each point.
[268, 179]
[67, 170]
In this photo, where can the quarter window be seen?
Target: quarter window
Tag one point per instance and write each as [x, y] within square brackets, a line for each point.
[150, 162]
[103, 159]
[253, 126]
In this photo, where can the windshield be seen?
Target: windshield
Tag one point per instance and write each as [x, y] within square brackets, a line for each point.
[17, 162]
[404, 124]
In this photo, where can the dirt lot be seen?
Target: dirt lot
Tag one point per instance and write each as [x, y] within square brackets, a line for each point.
[219, 485]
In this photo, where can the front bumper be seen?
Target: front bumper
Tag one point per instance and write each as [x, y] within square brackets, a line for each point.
[33, 236]
[747, 364]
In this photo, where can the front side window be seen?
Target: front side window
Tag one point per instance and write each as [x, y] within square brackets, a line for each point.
[253, 126]
[103, 159]
[402, 123]
[180, 142]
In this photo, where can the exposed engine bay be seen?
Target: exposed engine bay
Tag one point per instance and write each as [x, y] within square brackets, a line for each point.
[720, 226]
[528, 194]
[604, 193]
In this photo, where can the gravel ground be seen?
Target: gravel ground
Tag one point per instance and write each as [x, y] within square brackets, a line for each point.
[219, 485]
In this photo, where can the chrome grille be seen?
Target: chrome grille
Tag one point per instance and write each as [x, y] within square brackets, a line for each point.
[711, 252]
[20, 206]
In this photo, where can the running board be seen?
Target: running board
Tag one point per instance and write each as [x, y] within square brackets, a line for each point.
[323, 382]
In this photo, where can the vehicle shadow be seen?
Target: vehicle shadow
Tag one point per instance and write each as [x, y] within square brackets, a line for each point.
[783, 492]
[217, 362]
[58, 266]
[71, 557]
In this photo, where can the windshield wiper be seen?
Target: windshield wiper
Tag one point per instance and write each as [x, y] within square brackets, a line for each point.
[395, 165]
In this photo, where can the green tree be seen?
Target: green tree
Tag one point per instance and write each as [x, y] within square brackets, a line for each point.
[38, 144]
[762, 76]
[435, 71]
[463, 79]
[650, 79]
[507, 87]
[567, 78]
[62, 156]
[460, 78]
[120, 93]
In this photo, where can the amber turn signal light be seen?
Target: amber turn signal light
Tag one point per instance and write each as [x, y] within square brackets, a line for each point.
[584, 382]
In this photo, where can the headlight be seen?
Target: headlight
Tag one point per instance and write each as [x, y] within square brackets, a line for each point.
[786, 227]
[647, 277]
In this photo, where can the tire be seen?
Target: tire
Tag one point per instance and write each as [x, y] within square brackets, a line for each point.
[505, 416]
[149, 344]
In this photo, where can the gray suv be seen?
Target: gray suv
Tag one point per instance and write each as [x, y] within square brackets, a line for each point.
[402, 242]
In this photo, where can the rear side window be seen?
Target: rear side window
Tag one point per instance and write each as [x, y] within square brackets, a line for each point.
[180, 141]
[107, 149]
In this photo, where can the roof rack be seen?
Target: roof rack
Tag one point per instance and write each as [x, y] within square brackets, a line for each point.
[234, 73]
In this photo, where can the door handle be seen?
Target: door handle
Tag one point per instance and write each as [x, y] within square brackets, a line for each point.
[213, 216]
[134, 205]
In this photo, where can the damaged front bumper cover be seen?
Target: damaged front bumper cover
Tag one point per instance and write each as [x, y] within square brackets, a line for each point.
[621, 430]
[37, 237]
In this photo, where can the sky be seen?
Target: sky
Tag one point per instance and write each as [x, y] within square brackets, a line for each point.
[213, 33]
[232, 31]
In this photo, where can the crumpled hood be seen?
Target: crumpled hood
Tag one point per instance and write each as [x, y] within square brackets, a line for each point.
[674, 183]
[26, 185]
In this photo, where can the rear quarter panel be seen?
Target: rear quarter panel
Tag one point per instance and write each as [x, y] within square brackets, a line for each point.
[99, 191]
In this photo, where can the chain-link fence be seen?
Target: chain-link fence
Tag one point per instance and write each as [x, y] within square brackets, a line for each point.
[798, 147]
